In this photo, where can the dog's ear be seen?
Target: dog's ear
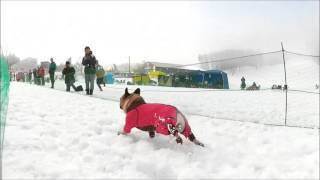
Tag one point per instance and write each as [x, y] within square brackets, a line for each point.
[137, 91]
[126, 93]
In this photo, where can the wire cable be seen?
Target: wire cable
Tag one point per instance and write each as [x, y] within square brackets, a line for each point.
[300, 54]
[229, 59]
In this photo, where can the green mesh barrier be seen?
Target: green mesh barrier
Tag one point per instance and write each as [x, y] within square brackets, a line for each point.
[4, 90]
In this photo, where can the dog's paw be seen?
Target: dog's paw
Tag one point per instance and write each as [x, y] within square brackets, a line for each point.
[198, 143]
[152, 134]
[179, 140]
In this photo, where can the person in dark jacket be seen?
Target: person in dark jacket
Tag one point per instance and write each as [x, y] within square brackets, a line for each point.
[89, 62]
[68, 73]
[30, 76]
[243, 83]
[52, 70]
[34, 72]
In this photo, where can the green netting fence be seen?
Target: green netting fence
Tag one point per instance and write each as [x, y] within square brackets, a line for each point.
[4, 90]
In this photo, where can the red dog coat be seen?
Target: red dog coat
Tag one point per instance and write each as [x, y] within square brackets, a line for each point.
[157, 115]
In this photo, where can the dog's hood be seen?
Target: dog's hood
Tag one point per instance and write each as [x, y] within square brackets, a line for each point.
[132, 102]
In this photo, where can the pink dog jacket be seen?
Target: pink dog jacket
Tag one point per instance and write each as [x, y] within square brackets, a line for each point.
[157, 115]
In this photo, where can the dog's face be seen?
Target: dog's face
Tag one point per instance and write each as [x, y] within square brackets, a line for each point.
[126, 97]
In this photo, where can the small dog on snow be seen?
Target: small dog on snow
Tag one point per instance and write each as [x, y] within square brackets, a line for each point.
[160, 118]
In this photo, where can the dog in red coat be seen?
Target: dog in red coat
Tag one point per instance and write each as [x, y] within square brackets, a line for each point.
[154, 118]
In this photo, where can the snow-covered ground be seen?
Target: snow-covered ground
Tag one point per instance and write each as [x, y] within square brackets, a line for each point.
[266, 107]
[55, 134]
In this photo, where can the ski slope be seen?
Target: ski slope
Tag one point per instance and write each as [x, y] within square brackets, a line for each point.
[302, 73]
[55, 134]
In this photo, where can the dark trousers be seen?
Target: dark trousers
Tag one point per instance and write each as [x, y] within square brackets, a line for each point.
[52, 79]
[34, 79]
[38, 80]
[89, 79]
[42, 80]
[72, 85]
[100, 81]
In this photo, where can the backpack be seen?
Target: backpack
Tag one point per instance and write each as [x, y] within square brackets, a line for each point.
[79, 88]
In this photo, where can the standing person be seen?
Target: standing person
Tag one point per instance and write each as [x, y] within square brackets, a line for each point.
[89, 62]
[30, 76]
[38, 76]
[34, 76]
[243, 83]
[68, 73]
[100, 76]
[41, 74]
[52, 70]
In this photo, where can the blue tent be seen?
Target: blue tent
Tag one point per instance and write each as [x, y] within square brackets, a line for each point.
[196, 78]
[216, 79]
[108, 78]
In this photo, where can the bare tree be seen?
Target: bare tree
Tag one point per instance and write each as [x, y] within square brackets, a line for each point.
[12, 59]
[218, 60]
[25, 65]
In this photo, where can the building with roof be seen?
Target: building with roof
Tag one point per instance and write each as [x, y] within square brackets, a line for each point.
[167, 68]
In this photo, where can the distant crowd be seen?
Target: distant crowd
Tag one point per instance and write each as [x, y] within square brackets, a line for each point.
[254, 86]
[92, 71]
[243, 85]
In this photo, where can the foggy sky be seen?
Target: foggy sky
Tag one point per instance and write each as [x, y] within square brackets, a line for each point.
[166, 31]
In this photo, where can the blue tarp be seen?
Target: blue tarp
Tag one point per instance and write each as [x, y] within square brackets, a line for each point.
[217, 79]
[108, 78]
[206, 79]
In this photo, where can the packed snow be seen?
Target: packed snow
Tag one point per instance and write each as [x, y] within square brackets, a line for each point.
[266, 106]
[55, 134]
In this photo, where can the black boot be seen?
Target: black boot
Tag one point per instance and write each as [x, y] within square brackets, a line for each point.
[87, 91]
[91, 91]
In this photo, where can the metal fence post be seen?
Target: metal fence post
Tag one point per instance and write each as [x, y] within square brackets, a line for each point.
[285, 85]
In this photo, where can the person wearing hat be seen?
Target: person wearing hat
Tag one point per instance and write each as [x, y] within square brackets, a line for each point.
[68, 73]
[52, 70]
[89, 62]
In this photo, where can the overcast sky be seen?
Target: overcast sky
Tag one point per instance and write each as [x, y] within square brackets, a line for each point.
[155, 31]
